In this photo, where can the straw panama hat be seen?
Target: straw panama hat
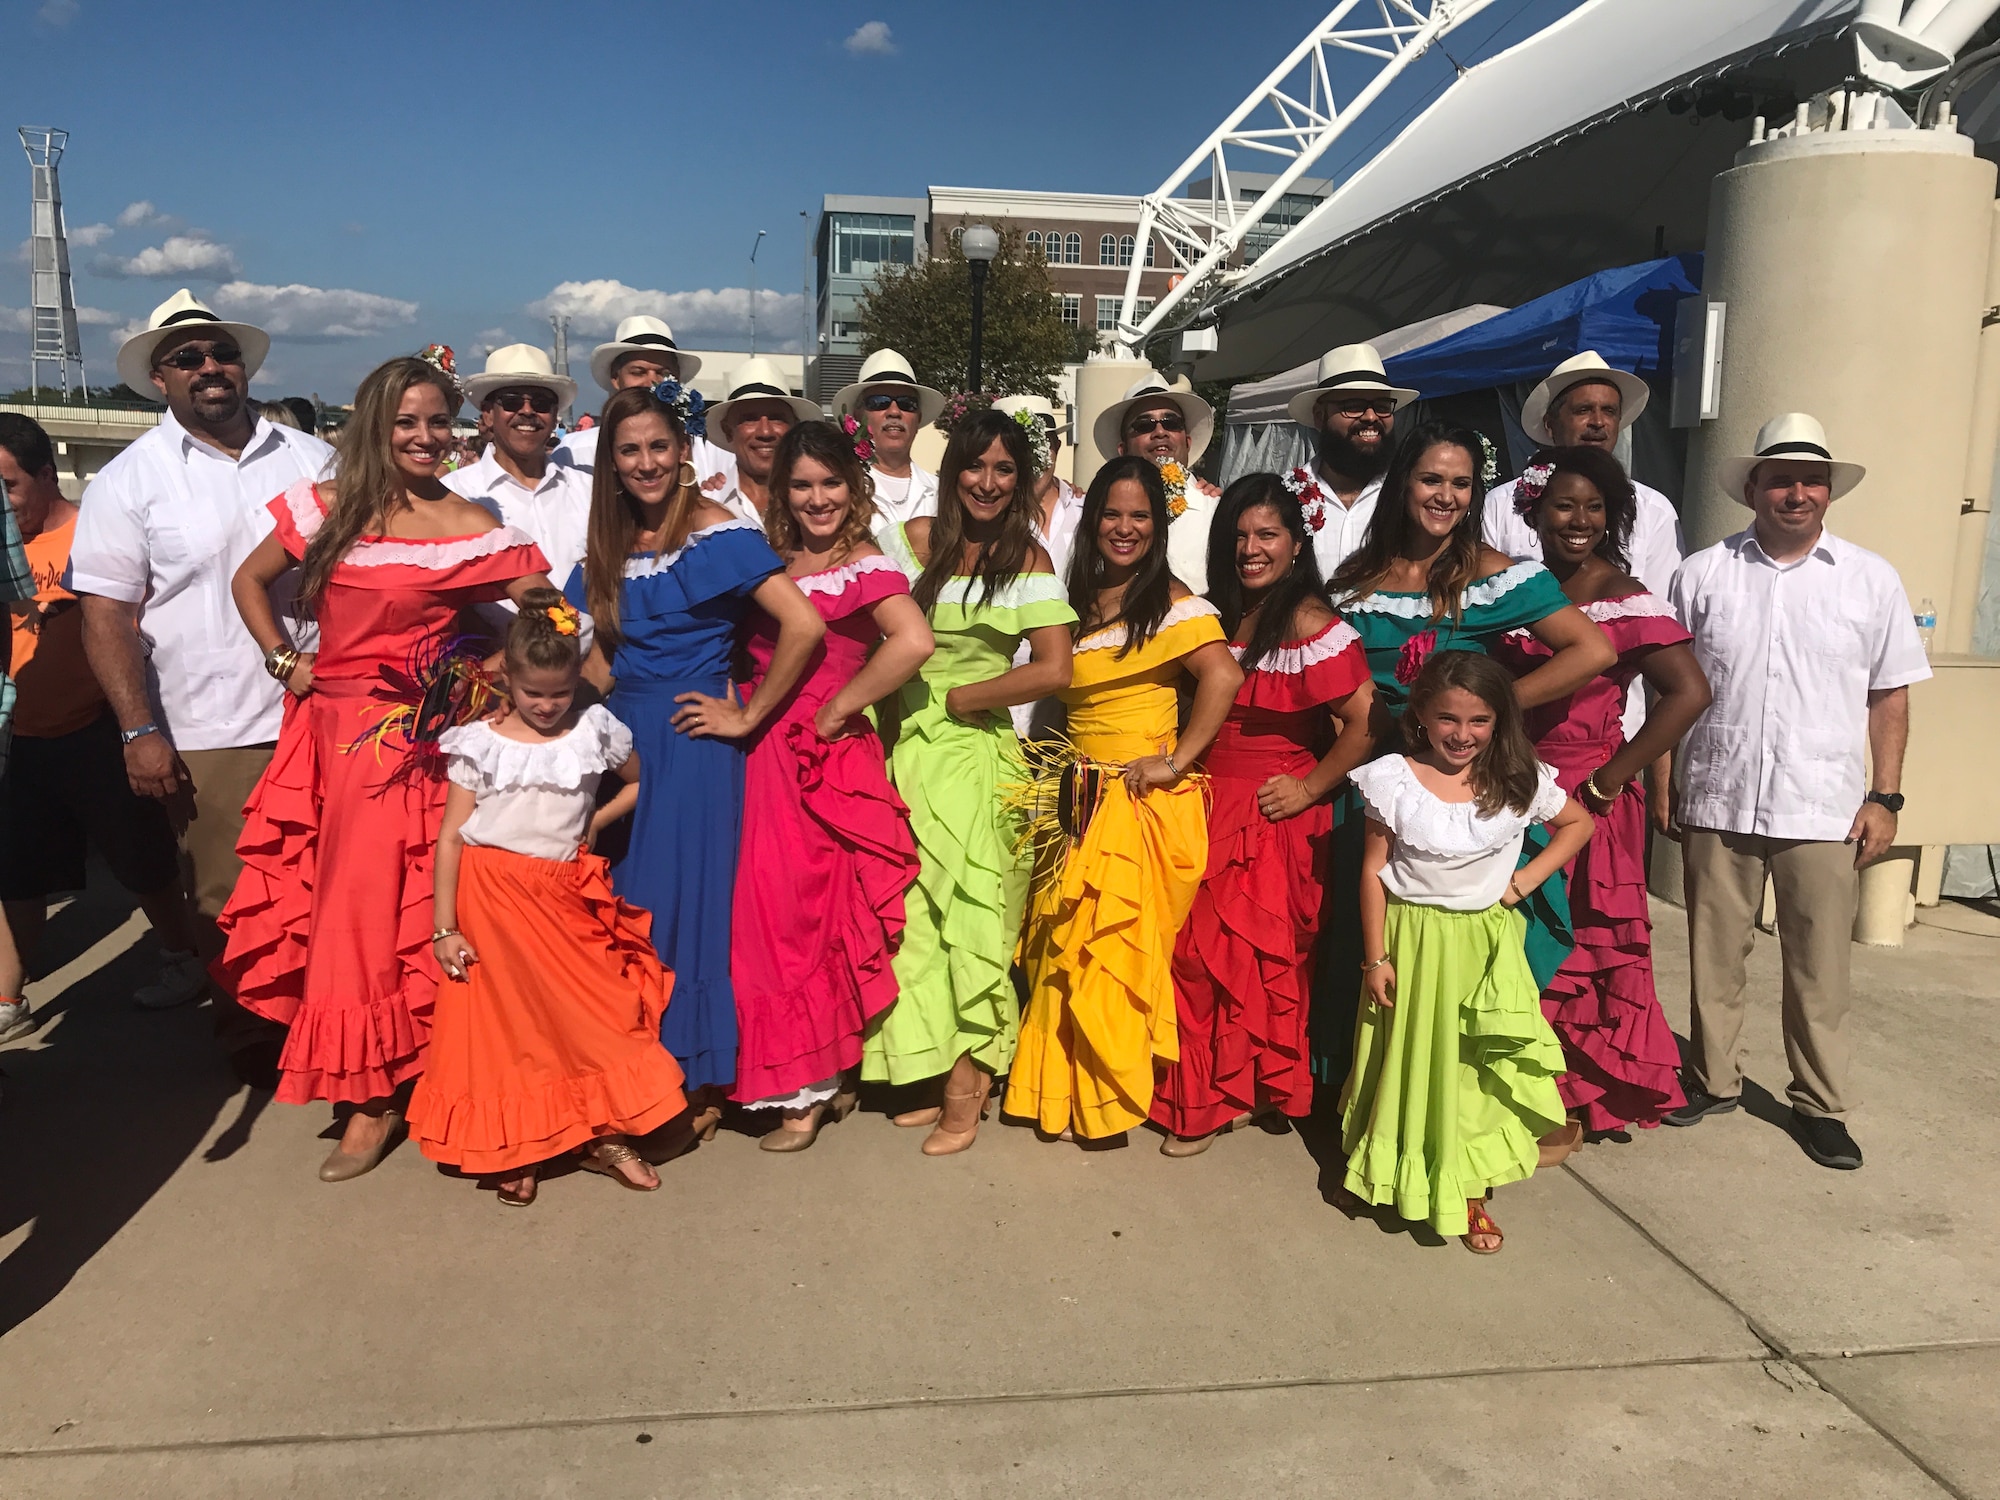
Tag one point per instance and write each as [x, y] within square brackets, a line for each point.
[1791, 434]
[1351, 367]
[519, 364]
[757, 380]
[135, 355]
[1587, 368]
[640, 334]
[887, 367]
[1200, 416]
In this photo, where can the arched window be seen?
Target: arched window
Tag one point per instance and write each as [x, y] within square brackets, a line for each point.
[957, 233]
[1149, 249]
[1073, 248]
[1107, 250]
[1126, 245]
[1034, 242]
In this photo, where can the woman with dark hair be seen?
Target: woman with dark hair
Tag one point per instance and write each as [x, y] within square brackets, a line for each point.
[329, 928]
[1124, 841]
[984, 584]
[1621, 1053]
[827, 852]
[1422, 582]
[668, 578]
[1243, 966]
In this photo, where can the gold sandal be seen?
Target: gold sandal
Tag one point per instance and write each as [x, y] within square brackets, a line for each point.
[605, 1158]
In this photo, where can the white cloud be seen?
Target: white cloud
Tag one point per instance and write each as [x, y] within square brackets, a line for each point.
[871, 39]
[180, 257]
[697, 318]
[58, 12]
[140, 214]
[487, 340]
[90, 234]
[15, 319]
[312, 313]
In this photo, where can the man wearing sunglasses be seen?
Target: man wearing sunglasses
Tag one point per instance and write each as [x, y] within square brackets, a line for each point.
[1351, 409]
[161, 532]
[892, 407]
[1158, 422]
[518, 396]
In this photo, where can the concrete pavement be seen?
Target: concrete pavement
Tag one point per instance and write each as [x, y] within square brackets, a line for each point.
[1701, 1311]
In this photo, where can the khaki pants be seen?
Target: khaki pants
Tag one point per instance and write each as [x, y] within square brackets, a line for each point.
[209, 822]
[1817, 888]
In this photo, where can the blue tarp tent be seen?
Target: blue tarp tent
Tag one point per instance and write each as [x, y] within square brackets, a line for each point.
[1626, 315]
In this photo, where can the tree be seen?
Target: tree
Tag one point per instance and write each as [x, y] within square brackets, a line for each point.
[924, 313]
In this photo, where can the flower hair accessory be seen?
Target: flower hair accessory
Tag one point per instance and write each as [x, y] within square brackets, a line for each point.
[687, 402]
[1038, 438]
[857, 434]
[440, 358]
[1305, 484]
[1174, 477]
[1489, 468]
[564, 617]
[1529, 487]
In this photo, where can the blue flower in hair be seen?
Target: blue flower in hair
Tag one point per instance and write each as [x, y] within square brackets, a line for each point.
[687, 402]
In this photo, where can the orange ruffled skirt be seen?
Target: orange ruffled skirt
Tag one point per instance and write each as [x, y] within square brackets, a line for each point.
[554, 1038]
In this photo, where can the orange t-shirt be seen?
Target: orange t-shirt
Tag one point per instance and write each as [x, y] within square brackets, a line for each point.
[58, 694]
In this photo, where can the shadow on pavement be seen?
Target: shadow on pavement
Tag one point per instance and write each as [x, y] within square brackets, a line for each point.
[104, 1104]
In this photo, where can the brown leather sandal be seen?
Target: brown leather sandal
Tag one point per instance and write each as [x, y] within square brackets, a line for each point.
[606, 1157]
[1479, 1221]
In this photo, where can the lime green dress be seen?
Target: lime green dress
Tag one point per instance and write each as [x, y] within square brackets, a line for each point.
[964, 913]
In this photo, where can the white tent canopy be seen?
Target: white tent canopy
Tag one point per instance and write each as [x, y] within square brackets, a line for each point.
[1265, 400]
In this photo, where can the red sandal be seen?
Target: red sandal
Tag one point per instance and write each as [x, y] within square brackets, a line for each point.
[1479, 1221]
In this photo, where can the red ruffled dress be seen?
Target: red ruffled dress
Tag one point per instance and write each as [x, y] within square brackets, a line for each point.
[329, 928]
[1619, 1049]
[827, 855]
[1243, 963]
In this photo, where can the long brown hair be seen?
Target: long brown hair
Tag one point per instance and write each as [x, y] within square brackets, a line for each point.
[1504, 774]
[1283, 599]
[614, 515]
[1001, 560]
[1391, 528]
[369, 488]
[1150, 594]
[825, 444]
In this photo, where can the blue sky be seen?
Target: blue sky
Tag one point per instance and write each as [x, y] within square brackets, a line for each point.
[364, 178]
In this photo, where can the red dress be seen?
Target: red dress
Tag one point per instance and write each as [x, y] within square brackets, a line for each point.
[329, 928]
[827, 855]
[1243, 962]
[1621, 1053]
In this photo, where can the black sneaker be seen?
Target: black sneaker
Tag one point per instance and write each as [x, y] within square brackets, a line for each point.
[1826, 1141]
[1699, 1107]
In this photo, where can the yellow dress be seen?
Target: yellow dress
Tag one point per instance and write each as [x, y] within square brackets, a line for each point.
[1107, 906]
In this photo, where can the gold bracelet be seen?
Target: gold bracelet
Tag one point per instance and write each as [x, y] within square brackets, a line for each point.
[1590, 785]
[1367, 968]
[281, 661]
[445, 932]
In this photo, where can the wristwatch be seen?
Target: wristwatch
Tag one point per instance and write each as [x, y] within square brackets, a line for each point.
[126, 736]
[1893, 801]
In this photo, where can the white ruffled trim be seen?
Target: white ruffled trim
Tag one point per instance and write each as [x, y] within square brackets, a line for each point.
[1640, 606]
[1027, 588]
[1291, 661]
[805, 1098]
[1422, 820]
[648, 564]
[1111, 637]
[484, 761]
[1418, 606]
[302, 500]
[383, 552]
[840, 580]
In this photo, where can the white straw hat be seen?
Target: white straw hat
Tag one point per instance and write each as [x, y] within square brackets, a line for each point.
[519, 364]
[135, 355]
[1587, 368]
[1152, 386]
[1792, 434]
[1351, 367]
[640, 334]
[758, 380]
[885, 367]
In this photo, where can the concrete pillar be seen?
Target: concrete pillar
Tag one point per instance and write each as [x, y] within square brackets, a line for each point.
[1961, 613]
[1101, 381]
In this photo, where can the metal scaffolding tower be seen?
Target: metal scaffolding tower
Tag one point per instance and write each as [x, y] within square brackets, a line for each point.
[52, 300]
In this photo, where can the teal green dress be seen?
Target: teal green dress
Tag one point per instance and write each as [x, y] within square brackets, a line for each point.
[1398, 636]
[954, 993]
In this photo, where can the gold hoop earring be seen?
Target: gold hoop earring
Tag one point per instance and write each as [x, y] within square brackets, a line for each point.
[688, 474]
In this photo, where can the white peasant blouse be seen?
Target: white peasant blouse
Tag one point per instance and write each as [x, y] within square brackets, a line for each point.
[1448, 854]
[534, 799]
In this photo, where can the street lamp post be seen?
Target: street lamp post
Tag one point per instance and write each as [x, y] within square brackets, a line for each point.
[979, 244]
[754, 245]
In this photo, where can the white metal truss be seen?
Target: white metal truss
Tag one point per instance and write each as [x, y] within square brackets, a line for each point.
[1291, 117]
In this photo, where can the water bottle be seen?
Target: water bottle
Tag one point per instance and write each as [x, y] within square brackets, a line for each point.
[1926, 624]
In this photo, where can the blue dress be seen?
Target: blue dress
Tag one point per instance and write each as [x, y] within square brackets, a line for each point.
[678, 615]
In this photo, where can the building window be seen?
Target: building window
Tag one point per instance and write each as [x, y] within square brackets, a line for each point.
[1149, 252]
[1125, 247]
[1107, 314]
[1072, 311]
[1034, 242]
[863, 243]
[1107, 249]
[1073, 249]
[1140, 307]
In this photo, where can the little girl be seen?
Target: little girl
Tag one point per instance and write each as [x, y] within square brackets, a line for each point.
[1454, 1077]
[550, 1039]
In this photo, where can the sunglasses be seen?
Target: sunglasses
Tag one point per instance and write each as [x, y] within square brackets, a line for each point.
[882, 402]
[194, 356]
[1381, 406]
[510, 402]
[1140, 426]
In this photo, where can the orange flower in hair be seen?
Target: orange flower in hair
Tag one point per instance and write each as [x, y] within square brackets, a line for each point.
[564, 618]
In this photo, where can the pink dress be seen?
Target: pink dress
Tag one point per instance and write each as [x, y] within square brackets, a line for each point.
[1621, 1053]
[827, 855]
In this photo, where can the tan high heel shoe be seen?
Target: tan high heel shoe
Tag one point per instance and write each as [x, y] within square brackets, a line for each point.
[344, 1166]
[950, 1137]
[784, 1140]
